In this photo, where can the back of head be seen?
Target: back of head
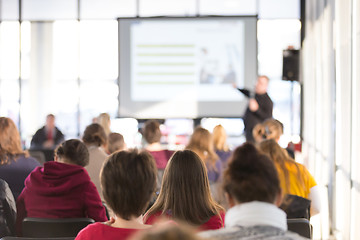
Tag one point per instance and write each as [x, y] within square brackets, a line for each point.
[152, 133]
[73, 151]
[10, 142]
[185, 190]
[94, 134]
[104, 121]
[251, 176]
[115, 142]
[269, 129]
[219, 138]
[128, 180]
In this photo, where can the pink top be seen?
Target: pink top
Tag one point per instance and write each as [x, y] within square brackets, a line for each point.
[97, 231]
[215, 222]
[161, 157]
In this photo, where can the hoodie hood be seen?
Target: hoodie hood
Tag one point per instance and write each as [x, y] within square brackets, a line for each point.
[56, 178]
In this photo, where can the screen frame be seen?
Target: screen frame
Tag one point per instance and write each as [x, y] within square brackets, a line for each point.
[251, 62]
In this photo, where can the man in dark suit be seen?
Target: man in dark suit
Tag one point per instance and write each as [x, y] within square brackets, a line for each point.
[47, 137]
[260, 106]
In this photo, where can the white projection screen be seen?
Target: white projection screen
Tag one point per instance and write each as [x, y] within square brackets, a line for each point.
[184, 67]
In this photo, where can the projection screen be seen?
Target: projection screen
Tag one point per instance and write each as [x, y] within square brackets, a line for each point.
[185, 67]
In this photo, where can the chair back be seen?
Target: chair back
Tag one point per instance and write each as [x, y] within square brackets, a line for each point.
[50, 228]
[300, 226]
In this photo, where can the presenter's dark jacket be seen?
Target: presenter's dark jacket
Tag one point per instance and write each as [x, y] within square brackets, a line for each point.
[41, 136]
[252, 118]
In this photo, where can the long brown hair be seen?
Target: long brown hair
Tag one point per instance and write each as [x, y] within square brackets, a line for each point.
[280, 158]
[219, 138]
[202, 144]
[185, 191]
[10, 142]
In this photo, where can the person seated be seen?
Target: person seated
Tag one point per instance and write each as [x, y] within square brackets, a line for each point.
[47, 137]
[270, 129]
[152, 135]
[7, 210]
[201, 142]
[104, 120]
[95, 139]
[220, 145]
[185, 194]
[168, 231]
[128, 180]
[62, 188]
[115, 143]
[295, 179]
[253, 191]
[15, 163]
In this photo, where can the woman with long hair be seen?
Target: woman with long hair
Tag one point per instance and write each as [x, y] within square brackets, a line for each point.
[15, 163]
[201, 142]
[295, 179]
[220, 145]
[185, 194]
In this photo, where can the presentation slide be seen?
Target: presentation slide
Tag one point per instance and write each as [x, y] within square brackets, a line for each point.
[185, 67]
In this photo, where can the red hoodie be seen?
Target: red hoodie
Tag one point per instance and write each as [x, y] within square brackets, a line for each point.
[59, 190]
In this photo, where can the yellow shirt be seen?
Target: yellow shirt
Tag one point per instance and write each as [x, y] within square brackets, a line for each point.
[295, 186]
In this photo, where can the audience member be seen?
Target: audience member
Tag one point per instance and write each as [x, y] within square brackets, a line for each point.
[152, 135]
[270, 129]
[128, 180]
[15, 164]
[295, 179]
[95, 138]
[62, 188]
[104, 120]
[7, 210]
[220, 145]
[201, 143]
[47, 137]
[185, 194]
[253, 192]
[115, 143]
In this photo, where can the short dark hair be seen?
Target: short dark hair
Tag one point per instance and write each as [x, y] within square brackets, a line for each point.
[251, 176]
[73, 151]
[152, 133]
[128, 180]
[94, 134]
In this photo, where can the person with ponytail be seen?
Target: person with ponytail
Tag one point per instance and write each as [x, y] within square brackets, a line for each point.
[253, 192]
[295, 179]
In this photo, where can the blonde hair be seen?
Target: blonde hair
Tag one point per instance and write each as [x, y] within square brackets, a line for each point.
[202, 144]
[219, 138]
[104, 121]
[269, 129]
[10, 141]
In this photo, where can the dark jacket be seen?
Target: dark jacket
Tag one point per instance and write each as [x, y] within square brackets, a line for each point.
[7, 210]
[41, 136]
[16, 171]
[59, 190]
[252, 118]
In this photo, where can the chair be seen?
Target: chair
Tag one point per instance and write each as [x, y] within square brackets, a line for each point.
[25, 238]
[51, 228]
[300, 226]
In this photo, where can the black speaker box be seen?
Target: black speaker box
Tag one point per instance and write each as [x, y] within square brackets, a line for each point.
[291, 65]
